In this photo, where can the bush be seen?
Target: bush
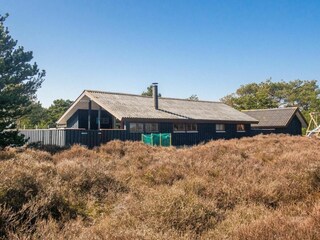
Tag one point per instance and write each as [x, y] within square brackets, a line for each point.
[265, 187]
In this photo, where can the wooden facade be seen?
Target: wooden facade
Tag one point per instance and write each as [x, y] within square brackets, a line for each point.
[205, 132]
[78, 131]
[80, 119]
[97, 117]
[294, 127]
[278, 120]
[92, 138]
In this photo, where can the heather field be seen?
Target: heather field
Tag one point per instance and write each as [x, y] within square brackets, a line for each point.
[265, 187]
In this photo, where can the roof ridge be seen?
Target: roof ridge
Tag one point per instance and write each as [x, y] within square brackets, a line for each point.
[136, 95]
[268, 109]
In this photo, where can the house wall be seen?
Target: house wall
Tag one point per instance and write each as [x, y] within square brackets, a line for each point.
[293, 128]
[80, 120]
[205, 133]
[73, 122]
[92, 138]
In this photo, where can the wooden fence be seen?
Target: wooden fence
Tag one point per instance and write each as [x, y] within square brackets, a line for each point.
[68, 137]
[92, 138]
[55, 137]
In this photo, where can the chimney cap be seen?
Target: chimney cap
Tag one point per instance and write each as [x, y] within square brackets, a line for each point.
[155, 83]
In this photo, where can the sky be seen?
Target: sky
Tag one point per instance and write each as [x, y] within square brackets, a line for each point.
[208, 48]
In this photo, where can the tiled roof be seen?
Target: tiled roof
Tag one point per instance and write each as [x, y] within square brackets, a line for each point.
[274, 118]
[141, 107]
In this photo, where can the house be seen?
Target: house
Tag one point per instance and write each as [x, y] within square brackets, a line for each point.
[189, 122]
[279, 120]
[97, 117]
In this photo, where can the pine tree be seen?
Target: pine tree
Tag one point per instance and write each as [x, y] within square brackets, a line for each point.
[19, 81]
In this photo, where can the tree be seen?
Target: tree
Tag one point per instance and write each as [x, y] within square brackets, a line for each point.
[193, 97]
[41, 117]
[253, 96]
[37, 116]
[300, 93]
[56, 110]
[149, 91]
[19, 81]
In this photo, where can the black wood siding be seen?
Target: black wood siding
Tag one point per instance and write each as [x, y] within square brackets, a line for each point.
[293, 128]
[205, 133]
[92, 138]
[73, 121]
[80, 119]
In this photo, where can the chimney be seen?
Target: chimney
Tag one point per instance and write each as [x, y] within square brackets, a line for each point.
[155, 95]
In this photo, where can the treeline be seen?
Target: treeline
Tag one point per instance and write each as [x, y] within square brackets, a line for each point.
[41, 117]
[268, 94]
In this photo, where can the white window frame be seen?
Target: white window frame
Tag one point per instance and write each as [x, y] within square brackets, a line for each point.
[220, 131]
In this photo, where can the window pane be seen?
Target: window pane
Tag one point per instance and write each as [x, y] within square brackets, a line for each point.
[139, 127]
[179, 127]
[240, 128]
[191, 127]
[118, 124]
[133, 127]
[220, 127]
[104, 121]
[136, 127]
[151, 127]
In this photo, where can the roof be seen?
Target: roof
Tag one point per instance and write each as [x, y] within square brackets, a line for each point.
[276, 117]
[129, 106]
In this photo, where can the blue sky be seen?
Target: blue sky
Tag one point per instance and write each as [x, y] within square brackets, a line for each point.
[208, 48]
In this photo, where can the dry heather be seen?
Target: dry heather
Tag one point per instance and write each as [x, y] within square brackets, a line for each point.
[265, 187]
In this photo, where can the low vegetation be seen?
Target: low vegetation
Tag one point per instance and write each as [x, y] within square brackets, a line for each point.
[265, 187]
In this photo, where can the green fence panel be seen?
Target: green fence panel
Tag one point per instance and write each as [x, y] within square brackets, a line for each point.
[157, 139]
[147, 139]
[166, 139]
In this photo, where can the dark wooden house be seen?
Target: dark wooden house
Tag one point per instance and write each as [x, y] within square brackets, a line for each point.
[97, 117]
[189, 122]
[278, 120]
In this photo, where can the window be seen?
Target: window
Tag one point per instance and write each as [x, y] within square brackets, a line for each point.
[151, 127]
[117, 124]
[104, 120]
[191, 127]
[136, 127]
[240, 128]
[179, 127]
[185, 127]
[220, 128]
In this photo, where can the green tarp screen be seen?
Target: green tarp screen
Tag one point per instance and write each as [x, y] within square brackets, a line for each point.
[157, 139]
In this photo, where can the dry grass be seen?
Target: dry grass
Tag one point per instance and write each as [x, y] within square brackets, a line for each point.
[266, 187]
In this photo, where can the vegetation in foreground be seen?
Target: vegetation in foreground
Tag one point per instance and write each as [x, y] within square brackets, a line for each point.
[265, 187]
